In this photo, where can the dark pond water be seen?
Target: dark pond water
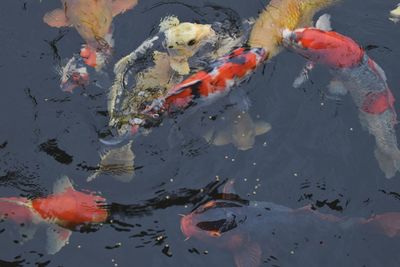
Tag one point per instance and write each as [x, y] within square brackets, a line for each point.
[316, 153]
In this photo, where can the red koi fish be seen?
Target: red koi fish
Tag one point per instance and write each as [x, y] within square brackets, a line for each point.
[207, 84]
[63, 211]
[217, 80]
[247, 229]
[357, 73]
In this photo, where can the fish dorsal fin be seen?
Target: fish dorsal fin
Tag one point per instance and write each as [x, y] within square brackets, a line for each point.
[324, 22]
[249, 255]
[168, 22]
[57, 238]
[229, 187]
[62, 184]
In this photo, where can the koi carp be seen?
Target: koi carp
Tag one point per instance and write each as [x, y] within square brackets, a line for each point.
[236, 225]
[356, 72]
[218, 79]
[63, 211]
[92, 19]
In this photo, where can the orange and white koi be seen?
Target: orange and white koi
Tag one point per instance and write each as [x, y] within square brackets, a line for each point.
[357, 73]
[207, 84]
[62, 211]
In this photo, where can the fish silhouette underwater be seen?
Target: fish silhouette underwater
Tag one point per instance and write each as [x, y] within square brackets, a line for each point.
[62, 212]
[243, 227]
[354, 71]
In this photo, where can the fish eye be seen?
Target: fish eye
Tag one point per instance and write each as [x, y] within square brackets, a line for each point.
[191, 42]
[171, 46]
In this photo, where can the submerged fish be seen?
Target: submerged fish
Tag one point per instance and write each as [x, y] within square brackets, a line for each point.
[62, 211]
[356, 72]
[238, 128]
[93, 20]
[247, 229]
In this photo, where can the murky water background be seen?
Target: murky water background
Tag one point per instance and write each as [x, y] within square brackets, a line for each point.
[317, 153]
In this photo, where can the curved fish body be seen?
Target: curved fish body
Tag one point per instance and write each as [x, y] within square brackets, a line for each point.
[62, 211]
[283, 14]
[92, 19]
[241, 227]
[363, 78]
[217, 80]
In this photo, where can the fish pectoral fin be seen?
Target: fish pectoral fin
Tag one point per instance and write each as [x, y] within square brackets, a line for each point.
[324, 22]
[180, 66]
[262, 127]
[57, 238]
[56, 18]
[304, 74]
[120, 6]
[388, 163]
[337, 88]
[222, 138]
[27, 231]
[249, 255]
[117, 162]
[62, 185]
[229, 187]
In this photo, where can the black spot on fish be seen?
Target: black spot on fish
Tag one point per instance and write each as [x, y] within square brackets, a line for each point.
[51, 148]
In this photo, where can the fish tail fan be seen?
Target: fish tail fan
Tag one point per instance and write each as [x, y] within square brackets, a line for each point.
[389, 163]
[57, 238]
[116, 162]
[389, 223]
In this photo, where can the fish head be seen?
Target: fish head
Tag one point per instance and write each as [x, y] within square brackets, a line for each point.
[185, 39]
[74, 74]
[92, 18]
[324, 47]
[217, 219]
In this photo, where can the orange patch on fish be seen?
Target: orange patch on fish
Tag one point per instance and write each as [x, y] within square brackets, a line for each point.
[377, 103]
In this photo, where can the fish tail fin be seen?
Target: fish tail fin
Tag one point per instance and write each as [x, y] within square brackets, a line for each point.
[389, 223]
[117, 162]
[389, 163]
[57, 238]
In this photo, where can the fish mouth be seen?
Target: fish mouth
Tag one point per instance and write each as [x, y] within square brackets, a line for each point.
[290, 38]
[187, 225]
